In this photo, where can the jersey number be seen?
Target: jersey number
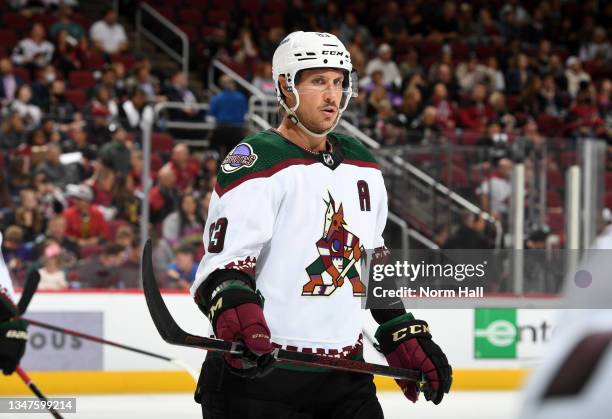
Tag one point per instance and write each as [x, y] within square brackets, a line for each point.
[216, 235]
[364, 195]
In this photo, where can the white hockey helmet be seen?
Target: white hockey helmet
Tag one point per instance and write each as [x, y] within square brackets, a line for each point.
[305, 50]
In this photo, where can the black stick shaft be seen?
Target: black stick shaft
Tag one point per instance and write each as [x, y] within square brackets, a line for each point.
[28, 381]
[96, 339]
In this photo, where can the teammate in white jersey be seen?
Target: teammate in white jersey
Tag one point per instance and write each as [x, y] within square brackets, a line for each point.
[13, 335]
[293, 210]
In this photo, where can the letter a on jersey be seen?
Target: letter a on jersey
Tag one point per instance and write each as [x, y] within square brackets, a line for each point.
[339, 255]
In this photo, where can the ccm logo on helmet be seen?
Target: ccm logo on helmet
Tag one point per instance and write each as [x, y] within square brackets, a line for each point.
[412, 330]
[331, 52]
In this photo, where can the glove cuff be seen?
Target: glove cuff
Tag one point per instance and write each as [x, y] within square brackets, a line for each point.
[210, 287]
[231, 297]
[392, 333]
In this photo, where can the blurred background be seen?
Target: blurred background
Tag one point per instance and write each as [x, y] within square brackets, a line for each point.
[492, 122]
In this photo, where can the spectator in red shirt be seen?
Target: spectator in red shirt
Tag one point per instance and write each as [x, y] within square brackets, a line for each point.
[183, 169]
[85, 222]
[477, 115]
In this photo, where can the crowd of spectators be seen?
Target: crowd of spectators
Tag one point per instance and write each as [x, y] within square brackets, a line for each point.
[74, 98]
[73, 102]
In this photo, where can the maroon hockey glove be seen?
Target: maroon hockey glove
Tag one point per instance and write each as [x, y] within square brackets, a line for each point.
[236, 314]
[407, 343]
[13, 336]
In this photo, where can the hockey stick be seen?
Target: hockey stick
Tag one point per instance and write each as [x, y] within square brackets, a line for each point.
[29, 288]
[28, 381]
[171, 332]
[85, 336]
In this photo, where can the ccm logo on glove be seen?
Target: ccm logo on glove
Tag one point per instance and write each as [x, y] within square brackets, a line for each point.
[415, 329]
[17, 334]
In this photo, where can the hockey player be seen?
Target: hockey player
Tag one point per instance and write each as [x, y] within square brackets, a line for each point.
[13, 335]
[292, 212]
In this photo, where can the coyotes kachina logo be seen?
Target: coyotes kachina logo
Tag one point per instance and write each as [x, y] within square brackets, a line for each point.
[339, 255]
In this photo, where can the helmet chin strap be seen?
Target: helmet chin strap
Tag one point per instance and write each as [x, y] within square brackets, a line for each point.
[294, 118]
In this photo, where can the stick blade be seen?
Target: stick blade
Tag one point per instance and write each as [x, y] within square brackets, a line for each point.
[165, 324]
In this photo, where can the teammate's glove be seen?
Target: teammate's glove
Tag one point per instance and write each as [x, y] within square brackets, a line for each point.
[407, 343]
[236, 314]
[13, 336]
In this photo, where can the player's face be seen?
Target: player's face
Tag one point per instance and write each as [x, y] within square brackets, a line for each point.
[320, 93]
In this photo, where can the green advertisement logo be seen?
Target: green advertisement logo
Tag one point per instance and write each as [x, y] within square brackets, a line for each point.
[495, 333]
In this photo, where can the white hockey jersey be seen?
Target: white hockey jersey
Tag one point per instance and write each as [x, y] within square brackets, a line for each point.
[6, 286]
[298, 223]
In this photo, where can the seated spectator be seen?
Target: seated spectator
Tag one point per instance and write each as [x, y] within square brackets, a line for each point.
[470, 73]
[551, 101]
[9, 82]
[86, 224]
[29, 112]
[52, 167]
[116, 154]
[143, 79]
[496, 80]
[35, 51]
[263, 79]
[15, 252]
[65, 23]
[394, 131]
[425, 129]
[529, 100]
[125, 199]
[575, 75]
[56, 231]
[102, 107]
[478, 113]
[183, 167]
[52, 276]
[107, 35]
[129, 272]
[185, 224]
[503, 116]
[384, 62]
[13, 132]
[412, 104]
[135, 113]
[163, 197]
[104, 270]
[516, 77]
[58, 107]
[445, 75]
[445, 109]
[29, 216]
[109, 80]
[350, 27]
[41, 85]
[181, 273]
[69, 52]
[102, 185]
[598, 45]
[177, 91]
[229, 106]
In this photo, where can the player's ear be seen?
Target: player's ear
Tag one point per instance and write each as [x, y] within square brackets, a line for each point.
[287, 95]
